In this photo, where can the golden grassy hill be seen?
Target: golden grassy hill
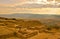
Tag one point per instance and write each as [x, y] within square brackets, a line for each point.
[12, 28]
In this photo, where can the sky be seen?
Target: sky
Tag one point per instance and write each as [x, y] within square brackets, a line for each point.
[26, 6]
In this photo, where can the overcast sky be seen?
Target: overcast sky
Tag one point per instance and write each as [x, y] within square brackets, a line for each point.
[17, 6]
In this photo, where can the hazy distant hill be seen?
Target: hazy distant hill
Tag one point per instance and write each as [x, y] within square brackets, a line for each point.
[36, 16]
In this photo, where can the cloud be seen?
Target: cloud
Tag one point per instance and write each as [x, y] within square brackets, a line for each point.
[30, 10]
[9, 1]
[12, 3]
[22, 6]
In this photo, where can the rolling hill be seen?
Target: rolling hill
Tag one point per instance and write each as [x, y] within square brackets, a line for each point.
[28, 16]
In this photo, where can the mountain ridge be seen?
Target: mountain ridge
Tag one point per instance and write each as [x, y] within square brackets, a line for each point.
[18, 15]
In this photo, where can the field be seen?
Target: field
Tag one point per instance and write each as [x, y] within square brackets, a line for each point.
[14, 28]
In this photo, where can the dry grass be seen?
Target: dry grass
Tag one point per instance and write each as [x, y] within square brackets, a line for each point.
[12, 28]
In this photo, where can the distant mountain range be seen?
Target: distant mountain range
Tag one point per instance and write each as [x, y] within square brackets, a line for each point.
[30, 16]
